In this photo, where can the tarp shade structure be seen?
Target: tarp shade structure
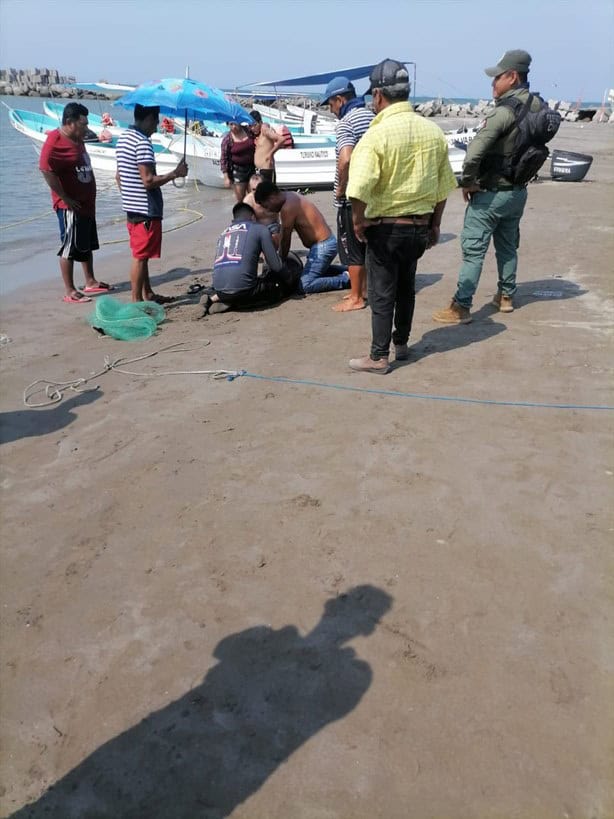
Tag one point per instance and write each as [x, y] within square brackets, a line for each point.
[356, 73]
[260, 95]
[102, 87]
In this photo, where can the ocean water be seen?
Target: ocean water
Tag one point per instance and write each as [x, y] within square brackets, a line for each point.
[29, 236]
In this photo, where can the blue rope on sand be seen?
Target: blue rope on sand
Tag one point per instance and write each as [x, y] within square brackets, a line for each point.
[424, 397]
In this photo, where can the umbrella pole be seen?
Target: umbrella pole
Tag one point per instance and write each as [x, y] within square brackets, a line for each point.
[185, 135]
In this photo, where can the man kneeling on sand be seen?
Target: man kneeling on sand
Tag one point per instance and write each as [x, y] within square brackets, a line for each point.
[235, 271]
[298, 213]
[264, 217]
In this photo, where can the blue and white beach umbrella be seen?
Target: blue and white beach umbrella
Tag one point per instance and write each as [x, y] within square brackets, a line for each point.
[186, 97]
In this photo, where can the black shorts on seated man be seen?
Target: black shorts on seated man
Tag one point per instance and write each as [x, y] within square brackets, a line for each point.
[235, 271]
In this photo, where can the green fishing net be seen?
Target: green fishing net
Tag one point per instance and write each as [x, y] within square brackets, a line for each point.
[126, 322]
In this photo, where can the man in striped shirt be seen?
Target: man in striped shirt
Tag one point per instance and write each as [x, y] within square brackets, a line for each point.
[354, 119]
[142, 198]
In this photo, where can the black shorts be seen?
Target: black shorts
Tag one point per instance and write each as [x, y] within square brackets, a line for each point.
[268, 174]
[351, 251]
[78, 235]
[242, 173]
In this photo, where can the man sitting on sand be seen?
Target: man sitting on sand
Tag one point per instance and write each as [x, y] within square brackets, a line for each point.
[264, 217]
[235, 271]
[300, 214]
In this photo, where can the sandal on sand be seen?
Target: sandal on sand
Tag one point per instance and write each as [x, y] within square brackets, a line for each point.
[101, 287]
[195, 288]
[206, 304]
[162, 299]
[76, 298]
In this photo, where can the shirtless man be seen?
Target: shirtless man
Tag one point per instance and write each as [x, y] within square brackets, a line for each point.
[264, 217]
[268, 141]
[300, 214]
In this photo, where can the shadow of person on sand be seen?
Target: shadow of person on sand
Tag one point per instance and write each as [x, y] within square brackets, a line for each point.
[551, 289]
[167, 277]
[446, 237]
[451, 337]
[424, 280]
[30, 423]
[207, 752]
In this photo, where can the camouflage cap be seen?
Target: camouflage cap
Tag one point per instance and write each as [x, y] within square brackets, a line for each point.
[515, 60]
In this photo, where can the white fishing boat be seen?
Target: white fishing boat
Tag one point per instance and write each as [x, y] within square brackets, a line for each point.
[98, 123]
[310, 164]
[102, 154]
[54, 110]
[297, 120]
[460, 138]
[203, 155]
[314, 122]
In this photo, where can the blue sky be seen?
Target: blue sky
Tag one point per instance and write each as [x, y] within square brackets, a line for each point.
[231, 42]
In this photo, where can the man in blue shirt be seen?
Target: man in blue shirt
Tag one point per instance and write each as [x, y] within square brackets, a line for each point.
[236, 282]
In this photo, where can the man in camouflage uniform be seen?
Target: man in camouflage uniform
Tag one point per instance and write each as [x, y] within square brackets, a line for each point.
[494, 204]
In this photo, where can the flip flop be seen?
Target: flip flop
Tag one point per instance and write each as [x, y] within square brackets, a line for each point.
[101, 287]
[159, 299]
[76, 298]
[195, 288]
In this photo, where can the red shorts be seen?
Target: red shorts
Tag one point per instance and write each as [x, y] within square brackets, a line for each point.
[145, 239]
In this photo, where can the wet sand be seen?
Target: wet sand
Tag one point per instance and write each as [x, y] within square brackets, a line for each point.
[175, 637]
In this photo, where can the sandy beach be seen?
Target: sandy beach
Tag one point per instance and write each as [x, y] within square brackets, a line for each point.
[273, 600]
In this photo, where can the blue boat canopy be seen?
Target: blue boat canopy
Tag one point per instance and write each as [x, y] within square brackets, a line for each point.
[356, 73]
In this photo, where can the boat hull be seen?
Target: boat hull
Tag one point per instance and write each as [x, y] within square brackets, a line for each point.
[203, 155]
[102, 156]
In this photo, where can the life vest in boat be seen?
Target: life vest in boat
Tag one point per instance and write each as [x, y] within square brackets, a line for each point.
[287, 135]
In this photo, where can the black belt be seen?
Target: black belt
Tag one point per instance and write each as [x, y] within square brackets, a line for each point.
[412, 218]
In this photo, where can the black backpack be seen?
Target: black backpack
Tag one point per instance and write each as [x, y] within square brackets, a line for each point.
[535, 129]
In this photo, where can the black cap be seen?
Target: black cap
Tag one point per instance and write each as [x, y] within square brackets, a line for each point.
[390, 74]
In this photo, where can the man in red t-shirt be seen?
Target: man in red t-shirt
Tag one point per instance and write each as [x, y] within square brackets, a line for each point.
[65, 164]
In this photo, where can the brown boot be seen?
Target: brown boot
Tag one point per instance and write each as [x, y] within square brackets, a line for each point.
[503, 303]
[454, 314]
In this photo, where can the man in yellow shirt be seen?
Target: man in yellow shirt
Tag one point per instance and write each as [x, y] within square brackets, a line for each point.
[400, 178]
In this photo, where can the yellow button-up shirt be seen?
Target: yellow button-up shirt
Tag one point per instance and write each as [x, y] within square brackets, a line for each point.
[401, 165]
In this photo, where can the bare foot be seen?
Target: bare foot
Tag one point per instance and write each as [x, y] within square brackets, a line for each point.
[348, 304]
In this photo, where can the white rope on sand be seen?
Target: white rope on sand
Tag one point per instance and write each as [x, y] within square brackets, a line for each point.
[54, 390]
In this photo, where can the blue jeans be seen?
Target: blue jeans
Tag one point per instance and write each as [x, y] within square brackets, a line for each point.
[313, 278]
[495, 214]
